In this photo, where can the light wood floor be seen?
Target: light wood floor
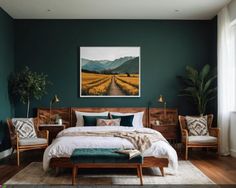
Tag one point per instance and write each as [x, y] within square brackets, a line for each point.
[221, 170]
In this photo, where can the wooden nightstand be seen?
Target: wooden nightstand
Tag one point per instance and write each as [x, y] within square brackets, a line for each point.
[165, 122]
[53, 129]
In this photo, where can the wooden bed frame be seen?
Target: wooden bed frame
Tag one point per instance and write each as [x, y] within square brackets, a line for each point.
[66, 163]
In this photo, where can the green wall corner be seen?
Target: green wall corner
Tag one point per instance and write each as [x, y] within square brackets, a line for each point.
[6, 68]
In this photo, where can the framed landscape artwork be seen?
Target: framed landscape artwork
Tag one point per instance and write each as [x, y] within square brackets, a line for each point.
[110, 72]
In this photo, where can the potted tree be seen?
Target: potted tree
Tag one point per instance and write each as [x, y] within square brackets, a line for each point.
[199, 86]
[27, 85]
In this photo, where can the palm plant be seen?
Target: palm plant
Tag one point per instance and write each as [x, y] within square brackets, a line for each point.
[26, 85]
[199, 86]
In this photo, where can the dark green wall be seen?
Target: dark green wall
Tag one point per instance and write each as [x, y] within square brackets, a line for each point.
[51, 46]
[6, 67]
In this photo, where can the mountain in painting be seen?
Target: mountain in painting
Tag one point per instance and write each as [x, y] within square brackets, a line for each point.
[126, 64]
[85, 61]
[93, 66]
[117, 62]
[131, 66]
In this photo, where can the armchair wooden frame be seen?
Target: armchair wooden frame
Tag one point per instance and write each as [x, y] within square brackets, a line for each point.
[212, 132]
[15, 139]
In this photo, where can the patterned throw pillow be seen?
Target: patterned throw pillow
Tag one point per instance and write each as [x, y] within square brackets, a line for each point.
[108, 122]
[24, 127]
[197, 126]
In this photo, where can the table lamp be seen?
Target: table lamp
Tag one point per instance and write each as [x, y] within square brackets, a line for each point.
[55, 99]
[162, 100]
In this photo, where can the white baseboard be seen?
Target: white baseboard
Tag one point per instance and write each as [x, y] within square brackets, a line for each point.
[233, 152]
[5, 153]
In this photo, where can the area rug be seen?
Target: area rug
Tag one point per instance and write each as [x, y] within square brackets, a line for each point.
[33, 174]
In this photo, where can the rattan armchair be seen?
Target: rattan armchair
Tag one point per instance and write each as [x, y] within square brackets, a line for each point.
[211, 141]
[19, 145]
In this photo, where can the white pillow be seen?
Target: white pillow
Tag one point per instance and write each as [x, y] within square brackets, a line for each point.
[138, 118]
[79, 116]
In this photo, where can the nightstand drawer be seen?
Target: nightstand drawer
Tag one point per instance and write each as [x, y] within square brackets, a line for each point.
[165, 128]
[53, 129]
[165, 121]
[169, 135]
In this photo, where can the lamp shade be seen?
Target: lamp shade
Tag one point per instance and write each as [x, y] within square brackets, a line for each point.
[55, 99]
[161, 99]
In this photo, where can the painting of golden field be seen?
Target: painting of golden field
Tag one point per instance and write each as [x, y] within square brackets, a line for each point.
[109, 71]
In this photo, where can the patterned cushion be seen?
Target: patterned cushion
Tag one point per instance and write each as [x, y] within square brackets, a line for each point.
[197, 126]
[108, 122]
[24, 127]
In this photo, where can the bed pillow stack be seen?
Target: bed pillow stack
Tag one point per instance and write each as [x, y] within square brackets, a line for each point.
[102, 119]
[137, 120]
[126, 121]
[80, 117]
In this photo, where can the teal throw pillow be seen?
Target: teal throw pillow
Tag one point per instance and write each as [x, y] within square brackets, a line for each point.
[92, 120]
[126, 121]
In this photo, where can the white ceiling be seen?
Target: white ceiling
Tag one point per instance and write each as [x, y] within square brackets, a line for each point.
[113, 9]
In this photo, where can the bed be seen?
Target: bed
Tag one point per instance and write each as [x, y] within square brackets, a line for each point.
[57, 155]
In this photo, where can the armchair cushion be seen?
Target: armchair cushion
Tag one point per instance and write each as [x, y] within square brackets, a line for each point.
[24, 127]
[32, 141]
[197, 126]
[202, 139]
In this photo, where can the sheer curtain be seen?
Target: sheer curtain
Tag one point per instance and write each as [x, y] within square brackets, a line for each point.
[226, 77]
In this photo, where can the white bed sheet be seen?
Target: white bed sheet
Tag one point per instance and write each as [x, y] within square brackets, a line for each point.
[63, 146]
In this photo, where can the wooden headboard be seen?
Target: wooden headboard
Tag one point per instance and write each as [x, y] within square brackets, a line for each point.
[69, 118]
[113, 109]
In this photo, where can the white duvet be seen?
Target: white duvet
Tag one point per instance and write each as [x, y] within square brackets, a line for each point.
[63, 146]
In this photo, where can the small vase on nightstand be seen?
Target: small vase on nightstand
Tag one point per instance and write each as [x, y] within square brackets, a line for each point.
[59, 121]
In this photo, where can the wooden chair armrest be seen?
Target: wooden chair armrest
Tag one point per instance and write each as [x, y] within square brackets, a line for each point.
[36, 124]
[13, 137]
[14, 140]
[214, 132]
[184, 134]
[17, 140]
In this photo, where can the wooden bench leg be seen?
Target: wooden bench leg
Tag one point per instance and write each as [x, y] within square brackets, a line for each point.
[74, 174]
[186, 153]
[57, 171]
[162, 171]
[140, 174]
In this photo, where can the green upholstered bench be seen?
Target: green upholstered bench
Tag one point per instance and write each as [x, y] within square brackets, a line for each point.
[103, 158]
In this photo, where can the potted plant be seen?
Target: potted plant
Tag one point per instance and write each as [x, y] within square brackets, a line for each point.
[27, 85]
[199, 86]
